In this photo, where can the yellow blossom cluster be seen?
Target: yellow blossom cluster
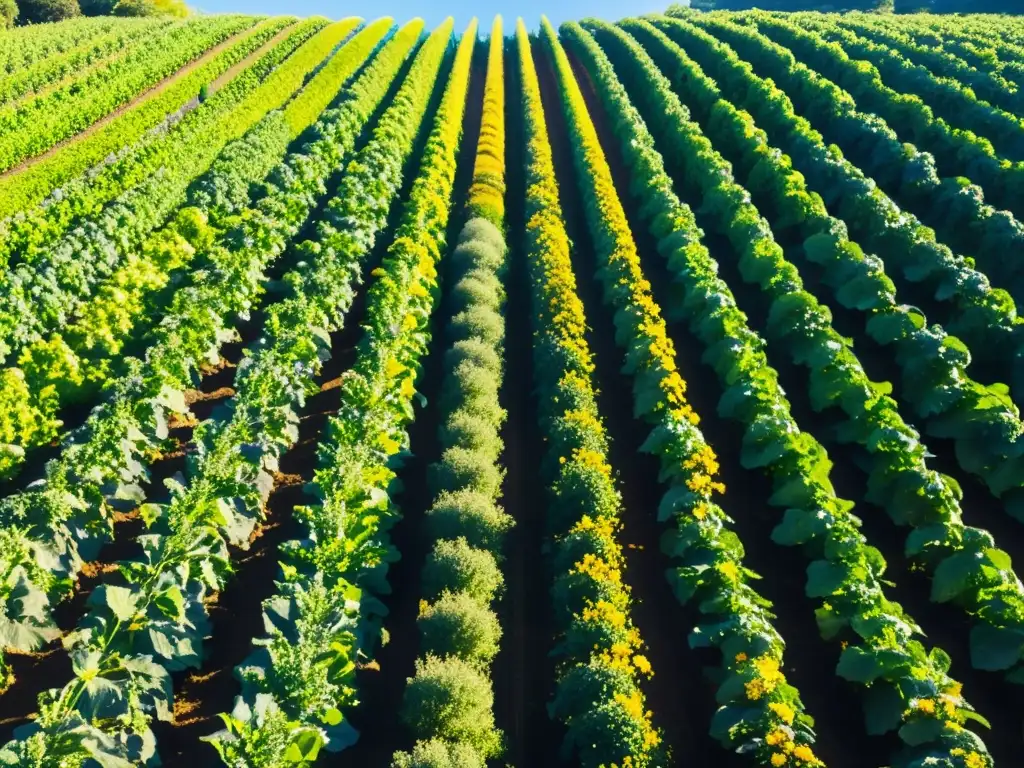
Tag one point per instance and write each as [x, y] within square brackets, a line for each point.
[634, 705]
[971, 759]
[785, 712]
[606, 613]
[585, 419]
[946, 706]
[604, 527]
[561, 326]
[703, 485]
[598, 569]
[487, 192]
[789, 752]
[729, 569]
[622, 654]
[767, 676]
[703, 465]
[593, 459]
[387, 443]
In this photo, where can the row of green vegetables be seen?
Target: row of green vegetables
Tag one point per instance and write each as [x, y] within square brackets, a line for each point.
[38, 227]
[959, 214]
[326, 615]
[906, 687]
[899, 480]
[964, 44]
[760, 713]
[30, 127]
[976, 41]
[986, 84]
[54, 69]
[954, 207]
[25, 47]
[957, 151]
[150, 619]
[77, 313]
[128, 135]
[60, 522]
[982, 419]
[600, 664]
[947, 97]
[978, 310]
[448, 703]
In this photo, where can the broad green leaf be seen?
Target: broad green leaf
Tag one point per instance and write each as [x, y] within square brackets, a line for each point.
[859, 666]
[883, 708]
[121, 601]
[995, 648]
[921, 730]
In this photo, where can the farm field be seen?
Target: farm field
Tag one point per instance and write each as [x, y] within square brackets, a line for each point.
[640, 393]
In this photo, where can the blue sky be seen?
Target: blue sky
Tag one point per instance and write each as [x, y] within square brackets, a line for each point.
[434, 11]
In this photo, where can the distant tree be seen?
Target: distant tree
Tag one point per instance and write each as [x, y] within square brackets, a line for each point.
[175, 8]
[882, 6]
[97, 7]
[967, 6]
[39, 11]
[8, 13]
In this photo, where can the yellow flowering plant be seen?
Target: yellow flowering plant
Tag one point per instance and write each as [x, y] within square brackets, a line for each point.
[600, 652]
[738, 620]
[487, 192]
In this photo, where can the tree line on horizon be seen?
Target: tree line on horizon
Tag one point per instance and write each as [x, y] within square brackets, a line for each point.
[881, 6]
[23, 12]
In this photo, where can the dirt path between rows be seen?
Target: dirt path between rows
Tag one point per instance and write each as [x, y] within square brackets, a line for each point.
[152, 93]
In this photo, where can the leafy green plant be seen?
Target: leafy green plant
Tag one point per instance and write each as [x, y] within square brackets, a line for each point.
[451, 699]
[306, 661]
[845, 573]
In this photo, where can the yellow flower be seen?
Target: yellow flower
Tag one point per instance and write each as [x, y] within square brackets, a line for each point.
[388, 443]
[926, 705]
[620, 650]
[729, 570]
[779, 759]
[768, 668]
[775, 738]
[803, 752]
[755, 689]
[633, 704]
[974, 760]
[641, 663]
[785, 712]
[740, 658]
